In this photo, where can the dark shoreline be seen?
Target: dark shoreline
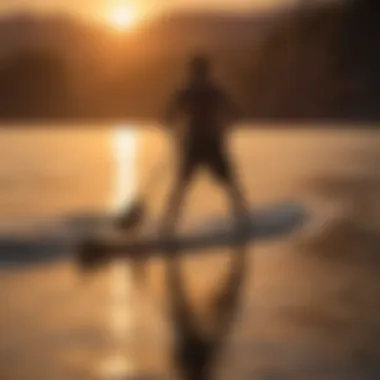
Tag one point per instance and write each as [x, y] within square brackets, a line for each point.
[146, 123]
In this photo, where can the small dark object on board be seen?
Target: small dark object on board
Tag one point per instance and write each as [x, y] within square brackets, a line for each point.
[132, 217]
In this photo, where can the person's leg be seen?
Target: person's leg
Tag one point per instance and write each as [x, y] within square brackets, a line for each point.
[175, 202]
[239, 207]
[173, 207]
[238, 202]
[223, 169]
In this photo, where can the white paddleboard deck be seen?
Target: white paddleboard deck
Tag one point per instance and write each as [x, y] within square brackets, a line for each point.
[66, 239]
[266, 223]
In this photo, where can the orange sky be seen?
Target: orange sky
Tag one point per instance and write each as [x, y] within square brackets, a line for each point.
[145, 6]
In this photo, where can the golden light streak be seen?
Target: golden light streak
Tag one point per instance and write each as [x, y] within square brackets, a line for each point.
[122, 17]
[120, 316]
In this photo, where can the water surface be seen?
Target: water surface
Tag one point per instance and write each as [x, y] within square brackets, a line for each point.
[311, 302]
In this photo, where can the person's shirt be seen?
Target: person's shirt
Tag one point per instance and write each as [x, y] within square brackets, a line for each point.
[203, 108]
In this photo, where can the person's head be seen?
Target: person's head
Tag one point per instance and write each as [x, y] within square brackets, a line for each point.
[199, 68]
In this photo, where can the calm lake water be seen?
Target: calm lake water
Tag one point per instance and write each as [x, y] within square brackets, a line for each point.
[311, 302]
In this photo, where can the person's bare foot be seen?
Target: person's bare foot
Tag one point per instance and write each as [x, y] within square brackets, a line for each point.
[243, 227]
[168, 236]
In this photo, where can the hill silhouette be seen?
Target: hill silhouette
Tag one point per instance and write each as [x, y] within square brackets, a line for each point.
[280, 65]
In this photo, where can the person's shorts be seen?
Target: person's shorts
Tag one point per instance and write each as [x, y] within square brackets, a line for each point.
[207, 152]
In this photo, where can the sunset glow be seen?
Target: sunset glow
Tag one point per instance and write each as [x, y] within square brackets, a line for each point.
[122, 17]
[122, 14]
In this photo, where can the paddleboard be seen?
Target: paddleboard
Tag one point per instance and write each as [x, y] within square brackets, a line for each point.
[269, 222]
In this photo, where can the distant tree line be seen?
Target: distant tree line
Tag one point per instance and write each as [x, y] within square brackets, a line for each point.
[34, 84]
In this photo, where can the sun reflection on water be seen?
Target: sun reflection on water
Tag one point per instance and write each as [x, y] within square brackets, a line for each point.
[120, 315]
[125, 147]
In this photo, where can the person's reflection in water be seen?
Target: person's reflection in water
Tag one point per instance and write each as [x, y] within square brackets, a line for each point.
[195, 349]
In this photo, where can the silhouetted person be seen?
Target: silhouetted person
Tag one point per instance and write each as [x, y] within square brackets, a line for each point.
[204, 110]
[195, 349]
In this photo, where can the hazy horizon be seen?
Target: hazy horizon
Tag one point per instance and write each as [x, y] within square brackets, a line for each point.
[100, 8]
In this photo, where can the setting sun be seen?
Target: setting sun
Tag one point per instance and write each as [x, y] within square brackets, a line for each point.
[123, 18]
